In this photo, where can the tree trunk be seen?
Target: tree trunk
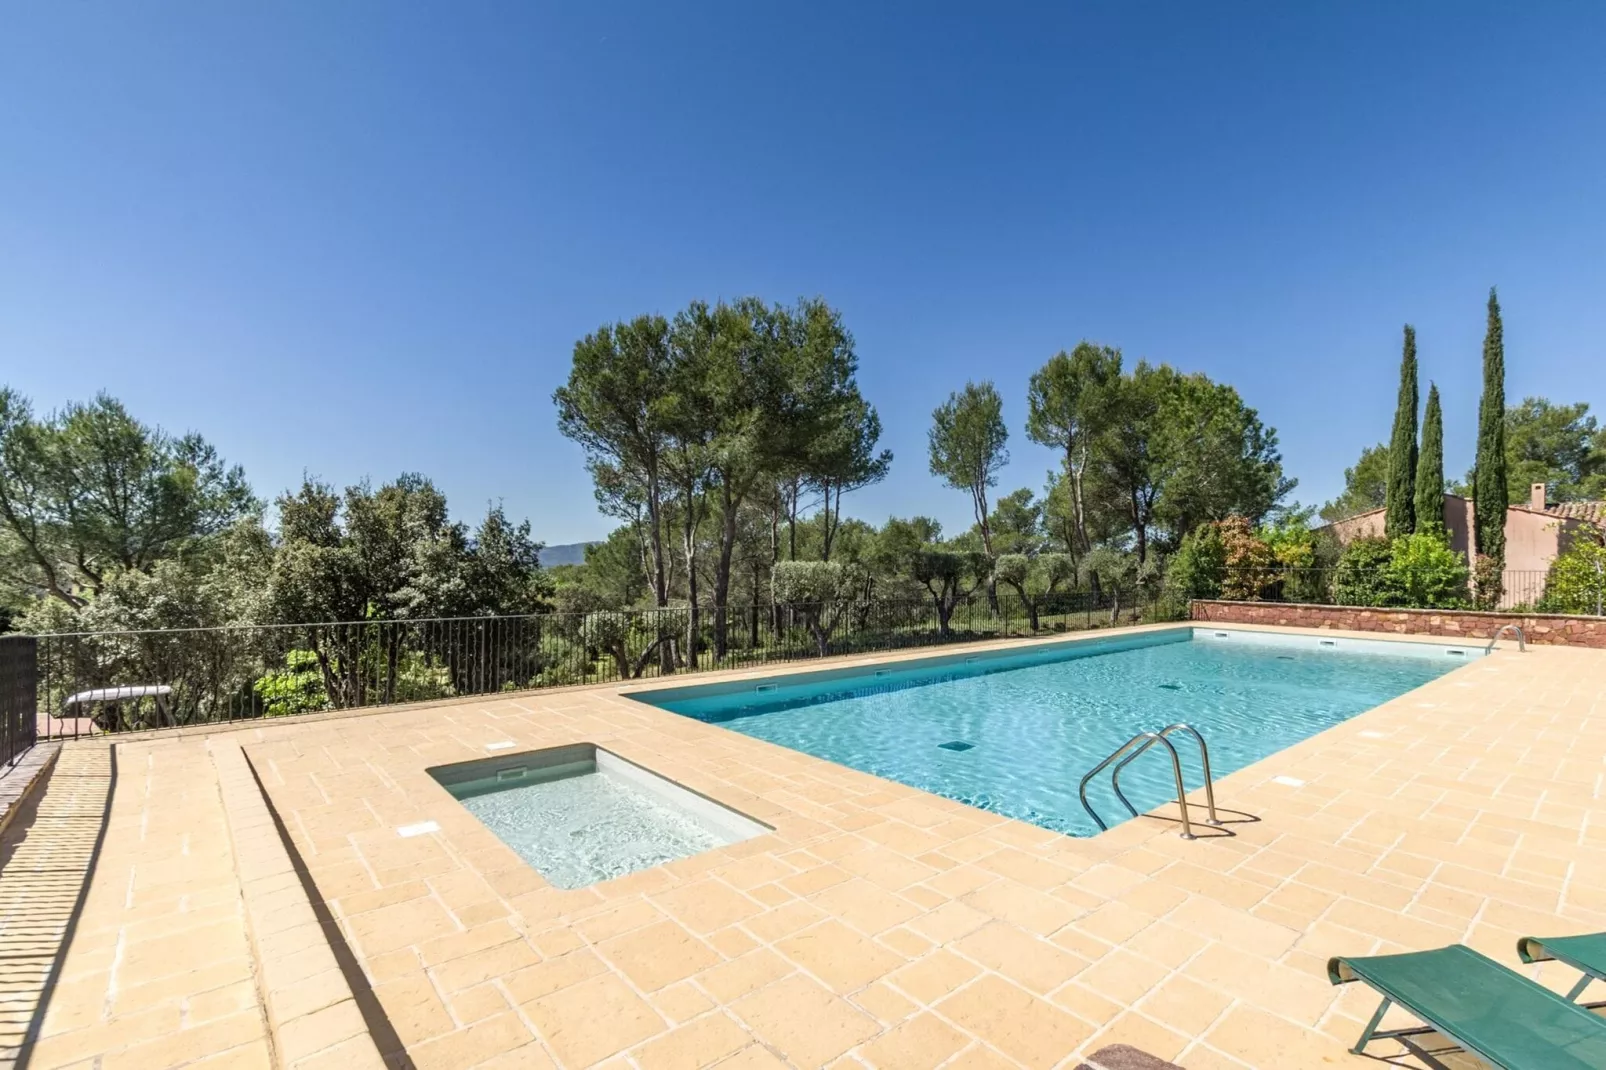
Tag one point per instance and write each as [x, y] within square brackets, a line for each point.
[1078, 499]
[660, 578]
[775, 556]
[979, 501]
[828, 530]
[1141, 528]
[752, 613]
[722, 568]
[689, 538]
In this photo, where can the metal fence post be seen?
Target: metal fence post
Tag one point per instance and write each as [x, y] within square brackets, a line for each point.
[19, 695]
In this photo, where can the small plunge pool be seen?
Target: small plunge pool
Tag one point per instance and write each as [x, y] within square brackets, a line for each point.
[581, 814]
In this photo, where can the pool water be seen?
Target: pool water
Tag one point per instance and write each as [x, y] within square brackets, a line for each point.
[580, 815]
[1014, 733]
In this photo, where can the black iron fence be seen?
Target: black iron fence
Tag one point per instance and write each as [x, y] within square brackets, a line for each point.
[19, 695]
[97, 682]
[1512, 591]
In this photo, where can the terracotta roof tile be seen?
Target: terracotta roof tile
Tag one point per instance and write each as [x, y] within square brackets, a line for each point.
[1594, 512]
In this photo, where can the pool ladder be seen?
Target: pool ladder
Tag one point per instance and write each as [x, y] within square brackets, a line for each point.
[1522, 641]
[1128, 752]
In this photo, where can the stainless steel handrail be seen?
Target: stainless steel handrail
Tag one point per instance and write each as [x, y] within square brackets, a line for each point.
[1147, 740]
[1204, 759]
[1522, 642]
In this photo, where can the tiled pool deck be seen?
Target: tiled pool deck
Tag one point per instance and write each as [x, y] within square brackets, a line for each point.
[878, 925]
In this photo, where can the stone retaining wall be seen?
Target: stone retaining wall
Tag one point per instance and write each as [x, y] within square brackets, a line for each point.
[1460, 624]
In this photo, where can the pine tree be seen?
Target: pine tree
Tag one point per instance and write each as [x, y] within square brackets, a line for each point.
[1430, 469]
[1489, 494]
[1400, 518]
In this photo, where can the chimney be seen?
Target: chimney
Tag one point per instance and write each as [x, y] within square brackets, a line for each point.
[1536, 496]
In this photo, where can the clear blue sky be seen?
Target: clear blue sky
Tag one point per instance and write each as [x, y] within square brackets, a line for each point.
[360, 238]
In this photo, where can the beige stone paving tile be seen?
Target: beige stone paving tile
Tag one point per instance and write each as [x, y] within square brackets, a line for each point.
[865, 906]
[1113, 922]
[1123, 975]
[885, 867]
[1298, 995]
[784, 920]
[1168, 944]
[1266, 1040]
[253, 1056]
[751, 872]
[934, 976]
[682, 1002]
[1017, 1023]
[1204, 1057]
[804, 1023]
[358, 902]
[921, 1043]
[950, 921]
[299, 1038]
[771, 895]
[1086, 1004]
[1185, 1005]
[837, 955]
[1026, 907]
[694, 1045]
[925, 896]
[752, 1057]
[732, 980]
[911, 945]
[179, 1046]
[731, 941]
[475, 1045]
[1141, 1032]
[471, 941]
[1108, 880]
[881, 1000]
[1082, 944]
[554, 974]
[1026, 959]
[399, 925]
[657, 955]
[1027, 869]
[960, 880]
[478, 1003]
[706, 905]
[554, 941]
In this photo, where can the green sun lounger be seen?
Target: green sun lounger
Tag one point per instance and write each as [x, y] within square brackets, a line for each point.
[1586, 954]
[1491, 1011]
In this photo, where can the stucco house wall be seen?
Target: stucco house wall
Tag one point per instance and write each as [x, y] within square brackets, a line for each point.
[1535, 534]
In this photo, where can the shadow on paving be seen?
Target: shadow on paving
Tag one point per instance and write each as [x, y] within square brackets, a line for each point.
[47, 859]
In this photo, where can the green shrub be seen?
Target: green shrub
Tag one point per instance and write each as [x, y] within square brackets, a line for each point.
[1576, 582]
[1199, 566]
[1427, 574]
[1363, 576]
[1414, 571]
[296, 688]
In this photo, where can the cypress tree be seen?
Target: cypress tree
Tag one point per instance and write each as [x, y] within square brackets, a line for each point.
[1399, 496]
[1430, 469]
[1489, 494]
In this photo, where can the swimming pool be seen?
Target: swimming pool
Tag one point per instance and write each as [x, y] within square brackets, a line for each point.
[1013, 731]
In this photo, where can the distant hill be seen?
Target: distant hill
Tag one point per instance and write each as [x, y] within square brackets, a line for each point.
[569, 553]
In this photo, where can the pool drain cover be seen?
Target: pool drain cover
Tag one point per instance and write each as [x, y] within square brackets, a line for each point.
[957, 744]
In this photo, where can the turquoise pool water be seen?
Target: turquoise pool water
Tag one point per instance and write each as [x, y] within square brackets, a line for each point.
[1014, 732]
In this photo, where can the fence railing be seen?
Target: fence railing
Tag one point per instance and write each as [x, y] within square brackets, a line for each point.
[19, 695]
[1516, 591]
[98, 682]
